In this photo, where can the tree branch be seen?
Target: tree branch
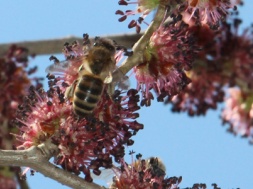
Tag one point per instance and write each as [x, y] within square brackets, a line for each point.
[54, 46]
[35, 158]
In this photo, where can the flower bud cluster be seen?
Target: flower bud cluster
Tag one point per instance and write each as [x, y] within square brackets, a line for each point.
[15, 79]
[85, 143]
[143, 174]
[238, 113]
[210, 12]
[168, 55]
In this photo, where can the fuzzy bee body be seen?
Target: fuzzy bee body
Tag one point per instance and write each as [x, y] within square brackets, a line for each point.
[155, 166]
[94, 72]
[87, 94]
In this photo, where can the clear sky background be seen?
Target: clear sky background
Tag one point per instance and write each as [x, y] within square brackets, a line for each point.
[199, 149]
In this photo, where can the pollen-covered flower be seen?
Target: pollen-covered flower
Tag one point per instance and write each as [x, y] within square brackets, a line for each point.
[206, 87]
[225, 60]
[237, 51]
[40, 115]
[169, 54]
[202, 94]
[238, 113]
[143, 174]
[15, 79]
[210, 12]
[144, 7]
[85, 143]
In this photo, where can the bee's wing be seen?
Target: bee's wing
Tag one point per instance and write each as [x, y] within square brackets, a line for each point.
[107, 174]
[58, 67]
[123, 83]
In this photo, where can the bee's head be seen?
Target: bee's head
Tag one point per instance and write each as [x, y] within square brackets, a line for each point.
[106, 43]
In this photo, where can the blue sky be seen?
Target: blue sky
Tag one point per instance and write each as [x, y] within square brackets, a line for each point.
[199, 149]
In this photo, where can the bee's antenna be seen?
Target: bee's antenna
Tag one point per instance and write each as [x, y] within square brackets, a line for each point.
[124, 49]
[96, 40]
[86, 40]
[56, 60]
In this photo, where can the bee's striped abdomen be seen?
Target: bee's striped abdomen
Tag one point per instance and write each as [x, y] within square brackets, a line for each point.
[87, 94]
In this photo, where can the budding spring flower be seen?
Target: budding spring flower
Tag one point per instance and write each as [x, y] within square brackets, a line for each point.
[15, 79]
[225, 60]
[238, 113]
[86, 143]
[210, 12]
[143, 174]
[169, 54]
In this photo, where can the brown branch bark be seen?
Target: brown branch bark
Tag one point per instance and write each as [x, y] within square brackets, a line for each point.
[54, 46]
[37, 159]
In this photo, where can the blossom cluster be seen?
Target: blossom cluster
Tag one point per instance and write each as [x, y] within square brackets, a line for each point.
[225, 61]
[210, 12]
[143, 174]
[147, 173]
[238, 113]
[195, 54]
[15, 79]
[84, 143]
[197, 12]
[169, 54]
[207, 78]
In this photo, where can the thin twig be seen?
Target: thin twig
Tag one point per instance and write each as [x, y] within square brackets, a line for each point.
[140, 45]
[21, 182]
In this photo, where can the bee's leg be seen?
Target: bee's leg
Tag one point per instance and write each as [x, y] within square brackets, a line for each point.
[111, 89]
[80, 68]
[108, 79]
[110, 85]
[69, 93]
[86, 42]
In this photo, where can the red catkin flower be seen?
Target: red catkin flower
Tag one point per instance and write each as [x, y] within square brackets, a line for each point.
[15, 79]
[143, 174]
[210, 12]
[86, 143]
[225, 60]
[169, 54]
[238, 113]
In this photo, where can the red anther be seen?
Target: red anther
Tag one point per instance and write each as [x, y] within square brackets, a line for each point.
[132, 24]
[119, 12]
[121, 19]
[123, 3]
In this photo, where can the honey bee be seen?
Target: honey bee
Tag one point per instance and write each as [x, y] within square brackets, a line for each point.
[94, 72]
[155, 166]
